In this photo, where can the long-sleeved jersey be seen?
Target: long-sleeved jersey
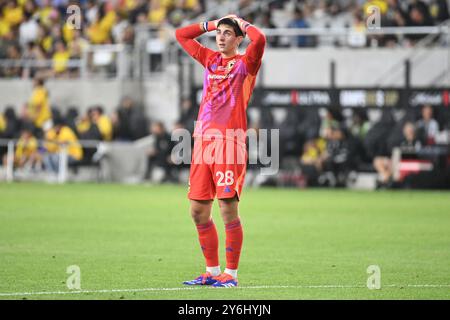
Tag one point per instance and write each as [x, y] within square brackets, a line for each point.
[228, 82]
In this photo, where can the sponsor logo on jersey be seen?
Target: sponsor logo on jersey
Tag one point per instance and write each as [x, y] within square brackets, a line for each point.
[220, 76]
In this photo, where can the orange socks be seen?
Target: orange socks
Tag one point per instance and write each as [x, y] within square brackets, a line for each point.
[233, 242]
[209, 242]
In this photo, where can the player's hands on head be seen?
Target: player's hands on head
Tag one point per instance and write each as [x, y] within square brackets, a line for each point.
[231, 16]
[241, 22]
[216, 22]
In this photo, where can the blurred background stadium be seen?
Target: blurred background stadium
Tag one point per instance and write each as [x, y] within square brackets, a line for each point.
[359, 90]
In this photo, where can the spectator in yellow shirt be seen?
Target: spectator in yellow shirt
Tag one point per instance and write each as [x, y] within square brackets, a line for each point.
[95, 125]
[313, 151]
[312, 158]
[60, 59]
[38, 110]
[99, 32]
[77, 45]
[382, 5]
[26, 154]
[103, 123]
[5, 27]
[2, 123]
[190, 7]
[157, 13]
[44, 12]
[12, 13]
[84, 125]
[56, 138]
[45, 40]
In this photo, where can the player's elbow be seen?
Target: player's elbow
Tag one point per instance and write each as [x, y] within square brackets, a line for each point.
[177, 34]
[261, 40]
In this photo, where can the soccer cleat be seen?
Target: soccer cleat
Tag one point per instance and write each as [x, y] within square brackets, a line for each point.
[225, 281]
[205, 279]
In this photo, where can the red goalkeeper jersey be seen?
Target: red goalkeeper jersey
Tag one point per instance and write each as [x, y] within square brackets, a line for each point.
[228, 83]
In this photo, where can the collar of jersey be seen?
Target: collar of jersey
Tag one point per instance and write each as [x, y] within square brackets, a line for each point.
[226, 59]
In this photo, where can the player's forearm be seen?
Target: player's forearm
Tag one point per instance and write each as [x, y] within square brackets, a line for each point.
[186, 35]
[193, 31]
[255, 35]
[255, 49]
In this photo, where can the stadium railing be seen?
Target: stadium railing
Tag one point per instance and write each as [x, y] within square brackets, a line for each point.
[109, 61]
[155, 48]
[119, 161]
[63, 165]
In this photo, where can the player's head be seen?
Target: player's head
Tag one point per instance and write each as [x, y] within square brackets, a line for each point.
[228, 35]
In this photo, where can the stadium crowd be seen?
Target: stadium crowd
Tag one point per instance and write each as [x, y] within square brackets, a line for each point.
[325, 148]
[41, 30]
[38, 120]
[328, 148]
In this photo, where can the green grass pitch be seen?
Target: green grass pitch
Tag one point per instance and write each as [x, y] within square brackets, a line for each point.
[298, 244]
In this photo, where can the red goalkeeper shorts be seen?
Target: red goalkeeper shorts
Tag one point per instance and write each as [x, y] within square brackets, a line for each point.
[217, 169]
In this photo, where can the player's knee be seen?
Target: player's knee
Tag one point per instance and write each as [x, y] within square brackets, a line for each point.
[228, 204]
[196, 215]
[228, 209]
[199, 217]
[225, 208]
[200, 214]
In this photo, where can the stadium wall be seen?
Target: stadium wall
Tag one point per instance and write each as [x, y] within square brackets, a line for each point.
[281, 68]
[160, 95]
[354, 67]
[65, 93]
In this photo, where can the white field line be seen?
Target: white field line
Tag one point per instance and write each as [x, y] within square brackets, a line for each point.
[40, 293]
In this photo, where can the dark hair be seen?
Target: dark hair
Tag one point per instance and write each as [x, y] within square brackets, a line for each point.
[298, 11]
[99, 109]
[159, 124]
[40, 81]
[10, 113]
[232, 23]
[58, 121]
[27, 126]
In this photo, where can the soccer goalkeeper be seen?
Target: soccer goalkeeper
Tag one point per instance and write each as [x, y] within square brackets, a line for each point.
[228, 85]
